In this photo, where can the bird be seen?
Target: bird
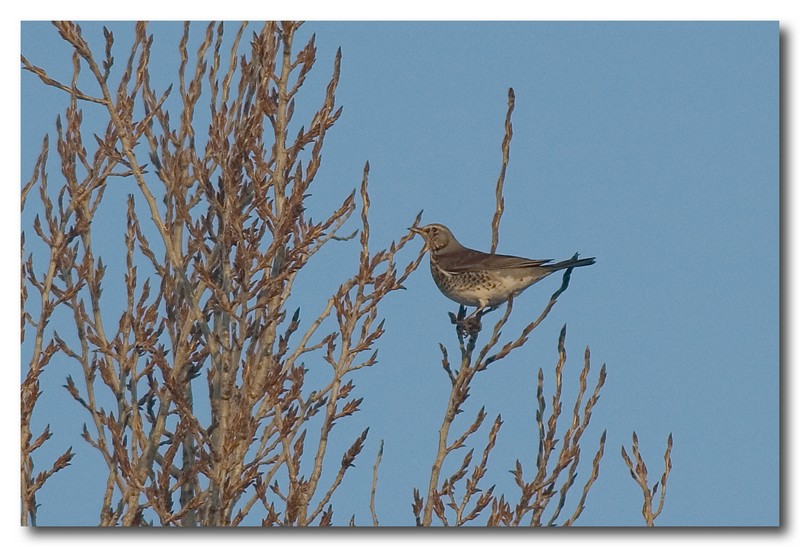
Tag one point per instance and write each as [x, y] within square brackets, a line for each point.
[483, 280]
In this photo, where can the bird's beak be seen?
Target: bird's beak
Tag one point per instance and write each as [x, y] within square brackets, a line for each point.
[424, 234]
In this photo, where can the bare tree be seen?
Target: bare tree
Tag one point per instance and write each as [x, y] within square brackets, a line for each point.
[208, 325]
[232, 238]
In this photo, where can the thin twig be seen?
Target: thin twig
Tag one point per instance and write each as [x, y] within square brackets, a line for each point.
[638, 471]
[499, 201]
[375, 486]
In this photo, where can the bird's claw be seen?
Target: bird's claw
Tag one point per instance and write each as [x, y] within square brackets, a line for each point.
[469, 325]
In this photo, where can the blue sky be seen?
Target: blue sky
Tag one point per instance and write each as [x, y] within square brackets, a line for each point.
[652, 146]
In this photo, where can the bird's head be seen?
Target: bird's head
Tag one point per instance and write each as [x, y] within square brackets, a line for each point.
[437, 236]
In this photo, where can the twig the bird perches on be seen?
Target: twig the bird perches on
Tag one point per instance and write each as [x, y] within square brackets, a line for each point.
[535, 495]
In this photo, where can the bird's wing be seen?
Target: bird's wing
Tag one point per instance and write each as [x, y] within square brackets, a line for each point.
[471, 260]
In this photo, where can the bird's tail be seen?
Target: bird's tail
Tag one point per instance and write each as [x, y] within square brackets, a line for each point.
[573, 262]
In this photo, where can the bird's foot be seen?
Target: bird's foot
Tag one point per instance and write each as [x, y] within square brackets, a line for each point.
[469, 325]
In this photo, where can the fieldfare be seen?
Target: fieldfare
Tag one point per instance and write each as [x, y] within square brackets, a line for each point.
[483, 280]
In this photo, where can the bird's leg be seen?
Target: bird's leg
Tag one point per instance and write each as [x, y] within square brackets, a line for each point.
[480, 311]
